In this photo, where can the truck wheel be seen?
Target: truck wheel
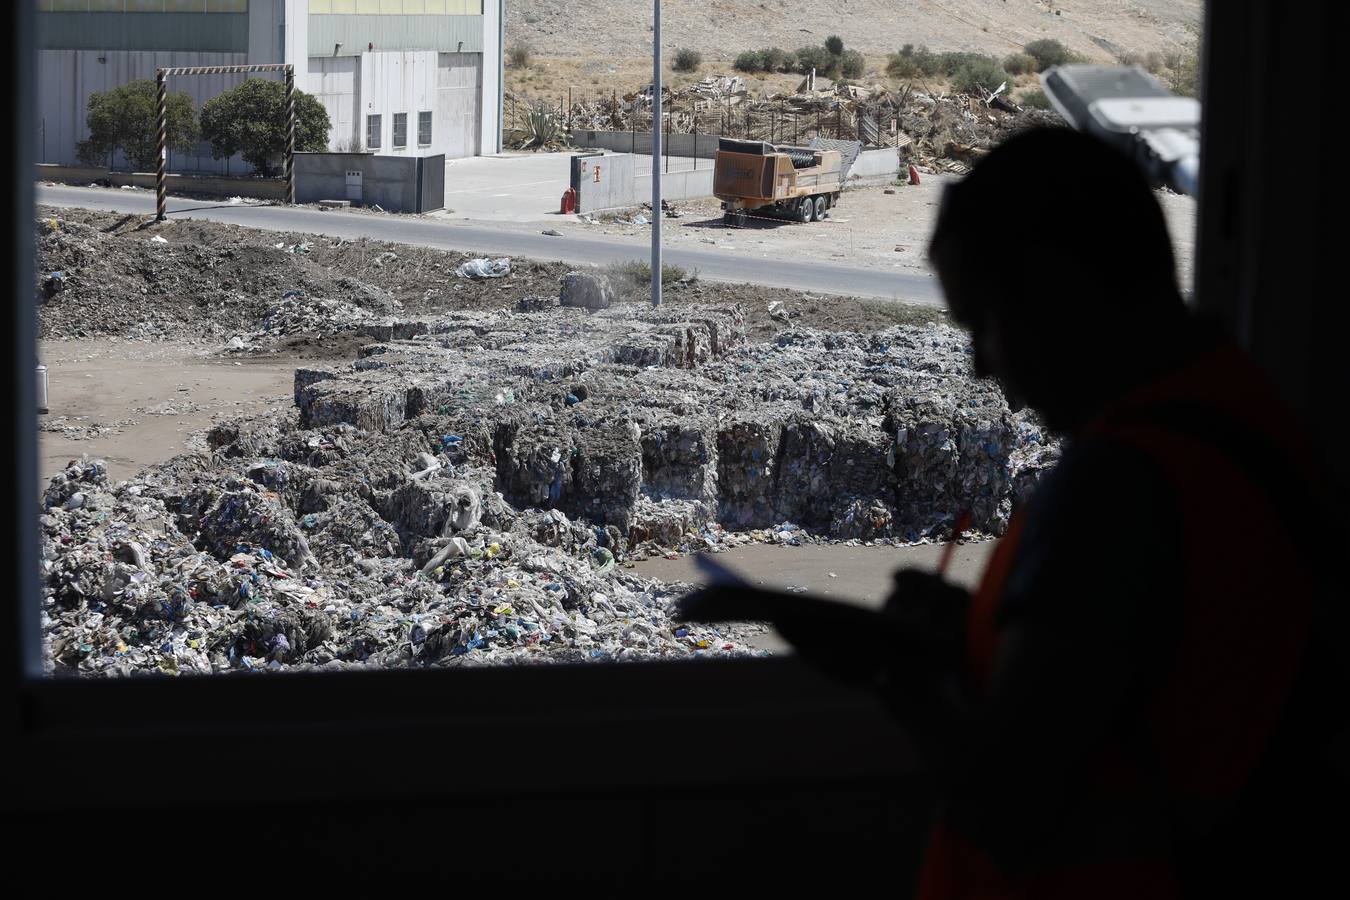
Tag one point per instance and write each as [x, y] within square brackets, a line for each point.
[806, 210]
[820, 208]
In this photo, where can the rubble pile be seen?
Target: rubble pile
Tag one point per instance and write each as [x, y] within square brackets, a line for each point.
[940, 131]
[101, 274]
[132, 286]
[465, 495]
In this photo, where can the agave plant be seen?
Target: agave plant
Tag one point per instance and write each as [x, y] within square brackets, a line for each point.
[542, 127]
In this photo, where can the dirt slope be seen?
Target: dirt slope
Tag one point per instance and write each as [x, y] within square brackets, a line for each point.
[608, 29]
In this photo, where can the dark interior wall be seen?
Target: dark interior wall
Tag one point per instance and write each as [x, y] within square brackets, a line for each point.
[1272, 194]
[310, 802]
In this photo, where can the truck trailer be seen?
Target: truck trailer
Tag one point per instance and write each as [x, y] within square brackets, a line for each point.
[762, 179]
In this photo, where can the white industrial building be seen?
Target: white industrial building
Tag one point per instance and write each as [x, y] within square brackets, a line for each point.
[400, 77]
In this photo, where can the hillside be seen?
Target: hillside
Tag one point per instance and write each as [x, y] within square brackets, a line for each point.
[606, 30]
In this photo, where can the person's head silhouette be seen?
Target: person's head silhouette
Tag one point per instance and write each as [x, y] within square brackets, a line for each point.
[1054, 253]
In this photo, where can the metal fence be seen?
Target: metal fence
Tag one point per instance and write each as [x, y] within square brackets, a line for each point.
[778, 123]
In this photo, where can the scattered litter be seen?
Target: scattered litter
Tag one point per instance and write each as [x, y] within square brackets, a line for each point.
[553, 232]
[158, 239]
[478, 269]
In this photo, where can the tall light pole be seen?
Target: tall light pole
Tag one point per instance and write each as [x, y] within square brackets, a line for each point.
[656, 154]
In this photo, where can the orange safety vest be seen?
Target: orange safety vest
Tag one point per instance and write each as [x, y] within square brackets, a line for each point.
[1247, 604]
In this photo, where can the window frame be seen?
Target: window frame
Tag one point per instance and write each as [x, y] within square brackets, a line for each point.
[395, 143]
[709, 722]
[430, 125]
[378, 120]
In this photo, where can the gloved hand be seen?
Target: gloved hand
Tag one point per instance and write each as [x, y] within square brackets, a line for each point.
[933, 611]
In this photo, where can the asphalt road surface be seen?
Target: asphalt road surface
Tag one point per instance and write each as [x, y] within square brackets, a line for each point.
[477, 238]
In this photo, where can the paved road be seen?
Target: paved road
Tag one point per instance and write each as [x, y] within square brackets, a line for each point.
[474, 237]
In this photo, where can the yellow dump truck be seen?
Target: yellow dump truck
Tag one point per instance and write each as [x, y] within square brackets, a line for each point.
[754, 178]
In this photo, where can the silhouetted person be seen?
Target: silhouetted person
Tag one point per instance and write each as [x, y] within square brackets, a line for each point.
[1136, 656]
[1134, 702]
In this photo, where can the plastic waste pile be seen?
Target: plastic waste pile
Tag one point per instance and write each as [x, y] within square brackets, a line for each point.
[128, 590]
[467, 494]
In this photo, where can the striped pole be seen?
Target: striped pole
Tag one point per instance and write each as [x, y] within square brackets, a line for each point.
[161, 183]
[290, 135]
[656, 153]
[162, 87]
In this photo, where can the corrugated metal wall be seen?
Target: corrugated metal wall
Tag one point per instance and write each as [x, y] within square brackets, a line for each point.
[451, 34]
[336, 83]
[64, 75]
[218, 33]
[459, 104]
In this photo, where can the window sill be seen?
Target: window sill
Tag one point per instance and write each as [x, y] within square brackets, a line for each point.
[652, 723]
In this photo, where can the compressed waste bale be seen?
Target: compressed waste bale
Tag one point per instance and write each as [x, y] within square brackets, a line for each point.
[679, 459]
[586, 290]
[534, 463]
[951, 455]
[666, 522]
[747, 457]
[606, 474]
[803, 489]
[377, 402]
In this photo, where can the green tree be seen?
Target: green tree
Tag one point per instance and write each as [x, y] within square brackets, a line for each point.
[776, 59]
[1184, 78]
[126, 118]
[980, 74]
[251, 120]
[818, 58]
[852, 64]
[749, 61]
[1049, 52]
[1020, 64]
[835, 44]
[687, 60]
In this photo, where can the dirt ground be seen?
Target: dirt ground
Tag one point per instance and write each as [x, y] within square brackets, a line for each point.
[858, 575]
[135, 403]
[140, 401]
[119, 283]
[870, 228]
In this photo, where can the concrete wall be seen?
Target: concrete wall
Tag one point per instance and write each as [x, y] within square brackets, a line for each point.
[870, 163]
[604, 182]
[703, 146]
[876, 164]
[675, 186]
[611, 182]
[387, 181]
[212, 185]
